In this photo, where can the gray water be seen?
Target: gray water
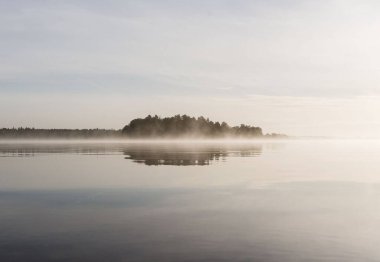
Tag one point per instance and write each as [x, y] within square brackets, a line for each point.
[245, 201]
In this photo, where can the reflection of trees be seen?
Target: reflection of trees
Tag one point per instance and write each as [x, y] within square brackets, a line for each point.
[156, 158]
[31, 149]
[186, 155]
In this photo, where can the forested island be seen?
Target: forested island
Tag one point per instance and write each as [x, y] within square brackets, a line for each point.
[178, 126]
[186, 126]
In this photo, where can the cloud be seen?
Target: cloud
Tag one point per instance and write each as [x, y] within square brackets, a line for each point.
[286, 48]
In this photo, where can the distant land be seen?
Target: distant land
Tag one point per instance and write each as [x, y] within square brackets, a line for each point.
[152, 127]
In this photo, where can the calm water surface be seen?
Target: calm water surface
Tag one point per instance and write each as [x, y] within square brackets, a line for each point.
[247, 201]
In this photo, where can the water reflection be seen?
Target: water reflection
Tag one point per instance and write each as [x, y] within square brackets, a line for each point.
[188, 155]
[151, 154]
[309, 201]
[212, 224]
[32, 149]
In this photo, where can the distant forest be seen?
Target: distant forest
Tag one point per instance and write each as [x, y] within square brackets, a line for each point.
[178, 126]
[26, 133]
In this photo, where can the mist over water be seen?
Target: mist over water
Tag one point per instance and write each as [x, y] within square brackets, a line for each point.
[279, 200]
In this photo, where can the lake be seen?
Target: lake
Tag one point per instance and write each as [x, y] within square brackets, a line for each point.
[302, 200]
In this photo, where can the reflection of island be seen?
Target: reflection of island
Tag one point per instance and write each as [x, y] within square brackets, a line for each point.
[185, 155]
[177, 154]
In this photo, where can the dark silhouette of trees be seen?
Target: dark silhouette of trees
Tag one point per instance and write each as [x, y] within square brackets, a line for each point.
[16, 133]
[178, 126]
[186, 126]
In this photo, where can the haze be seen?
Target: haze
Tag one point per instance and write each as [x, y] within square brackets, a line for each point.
[307, 68]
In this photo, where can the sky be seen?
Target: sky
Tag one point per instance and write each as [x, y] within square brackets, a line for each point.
[304, 68]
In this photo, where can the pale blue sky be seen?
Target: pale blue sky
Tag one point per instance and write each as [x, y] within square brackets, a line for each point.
[248, 62]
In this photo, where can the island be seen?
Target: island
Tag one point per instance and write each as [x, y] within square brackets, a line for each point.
[186, 126]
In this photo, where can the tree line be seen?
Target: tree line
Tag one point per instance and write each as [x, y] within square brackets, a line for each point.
[21, 132]
[186, 126]
[178, 126]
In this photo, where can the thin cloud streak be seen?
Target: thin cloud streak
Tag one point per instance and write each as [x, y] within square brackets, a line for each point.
[292, 48]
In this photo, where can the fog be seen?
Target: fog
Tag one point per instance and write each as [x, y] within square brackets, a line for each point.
[338, 117]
